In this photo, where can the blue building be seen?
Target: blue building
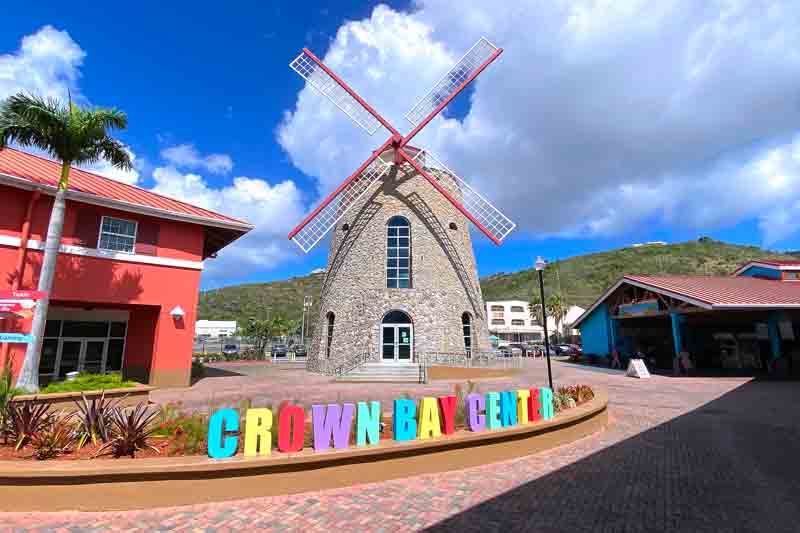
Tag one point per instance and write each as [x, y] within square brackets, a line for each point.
[747, 322]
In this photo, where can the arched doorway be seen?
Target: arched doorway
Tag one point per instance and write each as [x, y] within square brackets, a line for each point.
[397, 338]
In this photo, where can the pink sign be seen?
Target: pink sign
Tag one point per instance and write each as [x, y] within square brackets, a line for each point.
[6, 294]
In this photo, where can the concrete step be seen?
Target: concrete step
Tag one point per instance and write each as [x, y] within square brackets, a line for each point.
[384, 372]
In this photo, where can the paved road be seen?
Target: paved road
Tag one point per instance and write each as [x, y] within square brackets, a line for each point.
[680, 455]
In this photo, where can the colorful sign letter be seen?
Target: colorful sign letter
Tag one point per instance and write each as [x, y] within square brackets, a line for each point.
[429, 424]
[508, 408]
[476, 403]
[368, 424]
[221, 422]
[492, 410]
[546, 400]
[405, 426]
[334, 422]
[522, 405]
[448, 406]
[258, 432]
[291, 429]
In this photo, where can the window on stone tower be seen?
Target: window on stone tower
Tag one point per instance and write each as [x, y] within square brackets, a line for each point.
[466, 325]
[398, 253]
[329, 335]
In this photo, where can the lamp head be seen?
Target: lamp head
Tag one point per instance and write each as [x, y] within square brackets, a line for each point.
[540, 263]
[177, 312]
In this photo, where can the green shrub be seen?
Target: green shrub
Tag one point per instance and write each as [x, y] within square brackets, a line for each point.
[89, 382]
[198, 370]
[188, 430]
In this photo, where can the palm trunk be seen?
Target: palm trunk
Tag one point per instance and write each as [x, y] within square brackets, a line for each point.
[28, 379]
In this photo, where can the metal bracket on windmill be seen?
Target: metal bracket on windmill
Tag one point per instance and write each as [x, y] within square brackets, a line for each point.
[485, 216]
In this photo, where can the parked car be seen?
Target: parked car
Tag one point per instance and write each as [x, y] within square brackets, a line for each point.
[299, 350]
[565, 349]
[509, 351]
[279, 350]
[230, 349]
[523, 349]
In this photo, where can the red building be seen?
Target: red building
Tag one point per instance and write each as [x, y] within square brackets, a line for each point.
[128, 275]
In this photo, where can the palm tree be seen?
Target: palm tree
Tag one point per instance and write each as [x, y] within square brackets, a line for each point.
[74, 136]
[557, 308]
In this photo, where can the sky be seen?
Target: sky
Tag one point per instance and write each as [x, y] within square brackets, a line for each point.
[604, 122]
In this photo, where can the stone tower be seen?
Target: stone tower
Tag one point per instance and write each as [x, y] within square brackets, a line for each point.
[401, 278]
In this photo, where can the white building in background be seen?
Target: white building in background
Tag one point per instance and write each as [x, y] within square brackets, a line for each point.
[511, 322]
[215, 328]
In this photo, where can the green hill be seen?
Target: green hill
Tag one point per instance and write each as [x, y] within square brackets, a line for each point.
[581, 278]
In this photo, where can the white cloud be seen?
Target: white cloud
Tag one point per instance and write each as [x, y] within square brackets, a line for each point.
[187, 156]
[47, 63]
[272, 208]
[599, 115]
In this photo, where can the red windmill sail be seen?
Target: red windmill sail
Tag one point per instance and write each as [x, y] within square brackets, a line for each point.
[467, 200]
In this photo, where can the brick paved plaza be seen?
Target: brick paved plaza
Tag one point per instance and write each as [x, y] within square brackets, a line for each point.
[680, 454]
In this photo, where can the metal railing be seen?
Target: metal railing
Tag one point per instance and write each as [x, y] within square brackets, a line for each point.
[340, 367]
[465, 360]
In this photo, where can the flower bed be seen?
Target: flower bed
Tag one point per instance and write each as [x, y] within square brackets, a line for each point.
[102, 426]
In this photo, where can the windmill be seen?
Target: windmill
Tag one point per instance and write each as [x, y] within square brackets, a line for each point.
[373, 308]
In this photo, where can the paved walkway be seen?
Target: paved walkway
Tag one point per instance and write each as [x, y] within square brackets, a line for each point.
[700, 454]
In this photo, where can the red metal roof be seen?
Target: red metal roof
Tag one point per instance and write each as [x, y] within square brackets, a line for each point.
[39, 170]
[726, 291]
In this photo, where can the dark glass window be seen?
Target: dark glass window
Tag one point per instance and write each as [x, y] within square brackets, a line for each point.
[117, 329]
[52, 328]
[84, 329]
[398, 253]
[331, 319]
[396, 317]
[116, 348]
[466, 325]
[47, 363]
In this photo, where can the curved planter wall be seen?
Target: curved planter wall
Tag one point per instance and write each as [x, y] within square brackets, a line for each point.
[145, 483]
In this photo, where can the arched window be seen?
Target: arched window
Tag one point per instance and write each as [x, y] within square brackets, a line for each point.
[466, 326]
[329, 335]
[398, 253]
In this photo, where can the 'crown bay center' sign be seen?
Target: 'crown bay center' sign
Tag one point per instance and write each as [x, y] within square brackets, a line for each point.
[333, 423]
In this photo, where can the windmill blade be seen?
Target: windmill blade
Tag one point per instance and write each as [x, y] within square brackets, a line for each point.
[463, 72]
[323, 79]
[316, 225]
[479, 210]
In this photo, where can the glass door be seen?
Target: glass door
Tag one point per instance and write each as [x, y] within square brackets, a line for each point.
[388, 343]
[69, 356]
[396, 343]
[404, 344]
[93, 352]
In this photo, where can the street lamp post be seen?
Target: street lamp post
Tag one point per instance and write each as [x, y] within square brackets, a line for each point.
[307, 301]
[540, 266]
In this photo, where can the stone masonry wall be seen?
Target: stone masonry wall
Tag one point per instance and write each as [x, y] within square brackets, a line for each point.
[443, 273]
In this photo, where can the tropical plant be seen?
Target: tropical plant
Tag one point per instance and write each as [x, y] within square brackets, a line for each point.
[535, 306]
[94, 419]
[130, 431]
[72, 135]
[557, 308]
[562, 401]
[579, 393]
[7, 393]
[57, 436]
[25, 419]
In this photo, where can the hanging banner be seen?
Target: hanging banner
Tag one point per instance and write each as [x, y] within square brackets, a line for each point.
[21, 338]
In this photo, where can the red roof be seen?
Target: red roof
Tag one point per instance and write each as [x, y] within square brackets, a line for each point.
[725, 291]
[88, 186]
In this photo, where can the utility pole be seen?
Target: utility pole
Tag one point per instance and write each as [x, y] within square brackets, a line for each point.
[307, 302]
